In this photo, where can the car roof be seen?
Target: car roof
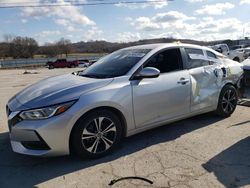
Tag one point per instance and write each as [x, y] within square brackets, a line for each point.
[165, 45]
[160, 46]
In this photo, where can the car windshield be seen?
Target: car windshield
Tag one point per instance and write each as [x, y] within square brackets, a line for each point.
[116, 64]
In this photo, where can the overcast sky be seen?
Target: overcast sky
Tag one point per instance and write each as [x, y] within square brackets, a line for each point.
[192, 19]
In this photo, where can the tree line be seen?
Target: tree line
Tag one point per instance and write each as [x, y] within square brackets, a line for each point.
[18, 47]
[26, 47]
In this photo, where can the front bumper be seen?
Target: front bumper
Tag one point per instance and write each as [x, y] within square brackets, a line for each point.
[48, 137]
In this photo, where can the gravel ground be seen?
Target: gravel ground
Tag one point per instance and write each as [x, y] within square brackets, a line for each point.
[203, 151]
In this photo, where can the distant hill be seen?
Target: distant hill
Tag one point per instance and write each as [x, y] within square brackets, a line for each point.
[55, 49]
[107, 47]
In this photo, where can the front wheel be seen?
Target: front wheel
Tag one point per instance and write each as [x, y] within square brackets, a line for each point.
[227, 101]
[96, 135]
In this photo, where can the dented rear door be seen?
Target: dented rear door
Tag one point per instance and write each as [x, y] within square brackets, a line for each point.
[205, 79]
[205, 89]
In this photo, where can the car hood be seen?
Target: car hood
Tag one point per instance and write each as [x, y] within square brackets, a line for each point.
[55, 90]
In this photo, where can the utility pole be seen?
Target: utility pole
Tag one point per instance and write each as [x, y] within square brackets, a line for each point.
[243, 32]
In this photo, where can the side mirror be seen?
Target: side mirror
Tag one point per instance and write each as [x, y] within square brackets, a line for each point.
[148, 72]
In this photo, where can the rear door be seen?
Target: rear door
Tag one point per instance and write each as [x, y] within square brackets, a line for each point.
[168, 96]
[204, 78]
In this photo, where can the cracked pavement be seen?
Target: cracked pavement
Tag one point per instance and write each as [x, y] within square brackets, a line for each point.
[203, 151]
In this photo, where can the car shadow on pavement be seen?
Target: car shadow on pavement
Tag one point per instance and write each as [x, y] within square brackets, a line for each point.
[232, 166]
[16, 170]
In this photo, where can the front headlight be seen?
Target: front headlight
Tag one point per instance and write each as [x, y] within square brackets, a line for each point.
[47, 112]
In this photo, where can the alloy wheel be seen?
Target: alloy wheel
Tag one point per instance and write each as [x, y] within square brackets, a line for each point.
[99, 135]
[229, 101]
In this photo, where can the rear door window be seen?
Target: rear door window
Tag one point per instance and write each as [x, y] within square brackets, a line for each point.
[195, 58]
[211, 55]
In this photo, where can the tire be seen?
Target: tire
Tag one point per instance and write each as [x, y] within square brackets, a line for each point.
[227, 101]
[51, 66]
[72, 66]
[87, 142]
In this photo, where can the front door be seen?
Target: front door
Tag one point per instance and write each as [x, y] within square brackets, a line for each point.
[158, 99]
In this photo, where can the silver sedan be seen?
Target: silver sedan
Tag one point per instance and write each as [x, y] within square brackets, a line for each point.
[126, 92]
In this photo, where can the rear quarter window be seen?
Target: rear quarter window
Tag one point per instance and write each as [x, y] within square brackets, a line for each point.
[211, 55]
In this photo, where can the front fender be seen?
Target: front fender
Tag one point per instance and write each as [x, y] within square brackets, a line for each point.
[115, 96]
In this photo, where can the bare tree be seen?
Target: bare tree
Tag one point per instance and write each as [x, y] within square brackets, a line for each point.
[32, 46]
[5, 48]
[64, 46]
[50, 50]
[23, 47]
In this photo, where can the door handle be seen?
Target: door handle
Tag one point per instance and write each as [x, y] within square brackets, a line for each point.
[183, 81]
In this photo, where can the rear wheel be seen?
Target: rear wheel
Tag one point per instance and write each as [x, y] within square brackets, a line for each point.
[227, 101]
[72, 66]
[97, 134]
